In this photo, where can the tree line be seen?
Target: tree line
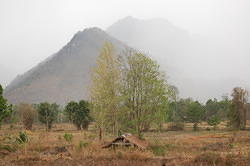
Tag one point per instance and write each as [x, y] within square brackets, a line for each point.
[45, 113]
[129, 93]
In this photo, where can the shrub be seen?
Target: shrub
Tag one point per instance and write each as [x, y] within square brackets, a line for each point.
[22, 138]
[11, 143]
[83, 144]
[231, 145]
[68, 137]
[7, 148]
[27, 114]
[158, 150]
[214, 121]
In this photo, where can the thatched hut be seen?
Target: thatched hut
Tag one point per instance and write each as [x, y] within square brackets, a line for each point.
[127, 140]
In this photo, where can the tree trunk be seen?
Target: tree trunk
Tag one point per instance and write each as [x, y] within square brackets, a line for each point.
[49, 126]
[195, 126]
[78, 127]
[100, 134]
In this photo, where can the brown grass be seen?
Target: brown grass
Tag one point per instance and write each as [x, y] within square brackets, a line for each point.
[219, 147]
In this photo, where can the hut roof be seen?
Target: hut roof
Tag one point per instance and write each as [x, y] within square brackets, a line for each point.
[128, 139]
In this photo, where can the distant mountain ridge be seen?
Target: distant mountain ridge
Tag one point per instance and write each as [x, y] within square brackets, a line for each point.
[64, 76]
[192, 63]
[195, 64]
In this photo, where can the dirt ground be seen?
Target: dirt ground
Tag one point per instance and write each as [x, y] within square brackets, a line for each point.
[173, 148]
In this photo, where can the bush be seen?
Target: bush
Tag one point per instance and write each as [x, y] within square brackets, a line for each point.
[68, 137]
[22, 138]
[231, 145]
[11, 143]
[7, 148]
[83, 144]
[214, 121]
[158, 150]
[27, 114]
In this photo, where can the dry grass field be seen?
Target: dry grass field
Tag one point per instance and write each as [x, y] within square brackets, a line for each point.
[173, 148]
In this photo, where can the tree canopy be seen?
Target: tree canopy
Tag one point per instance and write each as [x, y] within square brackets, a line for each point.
[5, 109]
[78, 113]
[47, 113]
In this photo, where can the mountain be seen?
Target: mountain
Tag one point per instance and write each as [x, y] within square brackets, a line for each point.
[64, 76]
[200, 67]
[157, 37]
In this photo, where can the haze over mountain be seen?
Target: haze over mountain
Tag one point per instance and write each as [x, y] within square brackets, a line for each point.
[200, 67]
[64, 76]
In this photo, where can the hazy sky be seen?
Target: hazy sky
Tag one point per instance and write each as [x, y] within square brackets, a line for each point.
[31, 30]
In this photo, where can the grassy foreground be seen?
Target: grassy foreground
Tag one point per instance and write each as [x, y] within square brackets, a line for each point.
[66, 146]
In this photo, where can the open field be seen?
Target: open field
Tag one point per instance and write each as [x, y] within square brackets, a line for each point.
[220, 147]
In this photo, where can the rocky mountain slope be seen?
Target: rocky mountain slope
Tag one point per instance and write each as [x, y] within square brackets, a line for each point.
[64, 76]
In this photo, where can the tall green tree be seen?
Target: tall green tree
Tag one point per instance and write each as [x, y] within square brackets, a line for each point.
[144, 93]
[217, 108]
[78, 113]
[178, 110]
[104, 90]
[5, 109]
[212, 108]
[47, 113]
[225, 105]
[195, 113]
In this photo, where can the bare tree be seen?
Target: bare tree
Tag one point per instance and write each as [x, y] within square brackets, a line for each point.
[238, 110]
[27, 115]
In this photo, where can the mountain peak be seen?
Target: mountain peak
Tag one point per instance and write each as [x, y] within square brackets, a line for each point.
[63, 76]
[138, 20]
[92, 30]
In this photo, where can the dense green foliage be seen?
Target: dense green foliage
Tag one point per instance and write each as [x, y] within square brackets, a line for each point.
[5, 109]
[47, 113]
[187, 110]
[78, 113]
[68, 137]
[104, 90]
[195, 113]
[214, 121]
[22, 138]
[217, 108]
[144, 93]
[128, 94]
